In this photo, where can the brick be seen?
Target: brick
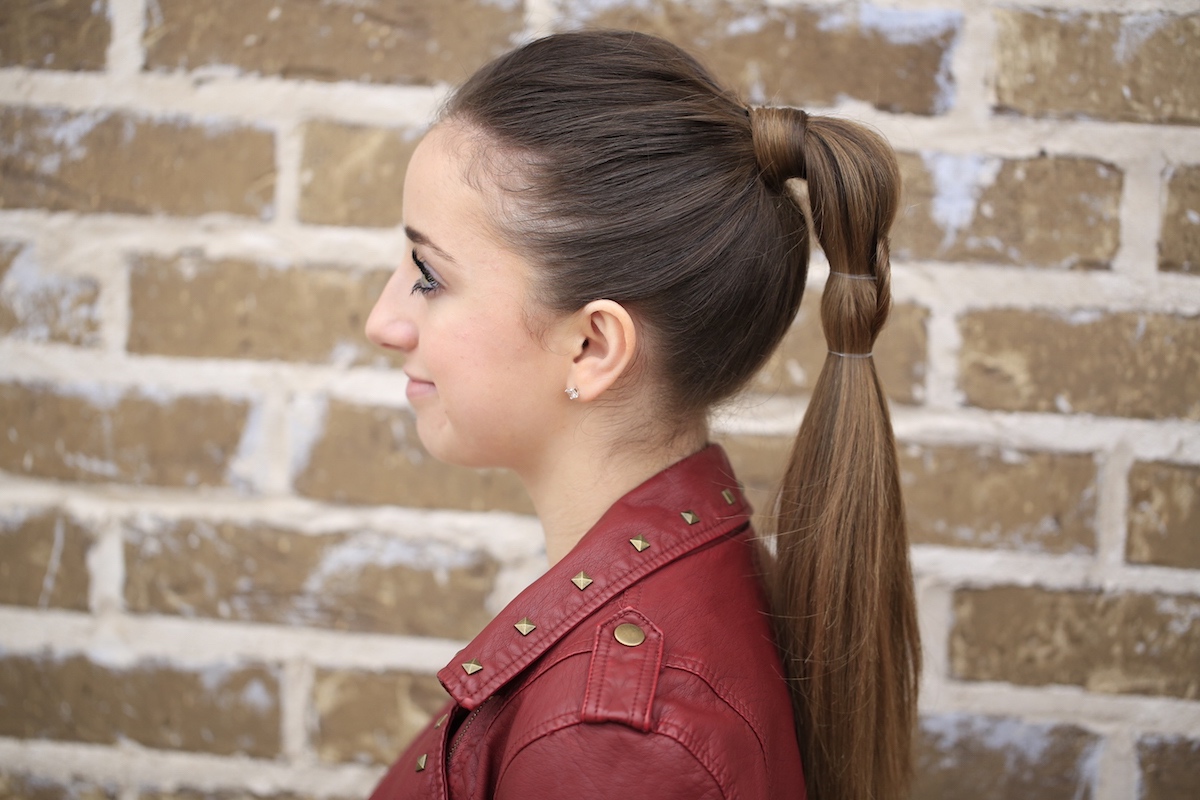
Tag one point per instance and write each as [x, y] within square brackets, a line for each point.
[996, 758]
[369, 454]
[224, 710]
[1014, 500]
[1164, 515]
[39, 306]
[1042, 212]
[900, 354]
[98, 435]
[356, 581]
[1128, 364]
[1169, 766]
[354, 175]
[1112, 643]
[107, 161]
[23, 786]
[369, 717]
[419, 42]
[1179, 247]
[54, 34]
[1134, 67]
[800, 55]
[188, 306]
[43, 560]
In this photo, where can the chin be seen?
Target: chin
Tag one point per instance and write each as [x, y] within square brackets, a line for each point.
[444, 449]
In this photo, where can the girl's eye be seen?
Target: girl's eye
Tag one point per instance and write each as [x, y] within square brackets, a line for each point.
[426, 284]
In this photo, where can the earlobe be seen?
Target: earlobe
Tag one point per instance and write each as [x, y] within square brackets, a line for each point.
[606, 349]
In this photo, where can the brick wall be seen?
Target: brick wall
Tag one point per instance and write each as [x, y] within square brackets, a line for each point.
[227, 569]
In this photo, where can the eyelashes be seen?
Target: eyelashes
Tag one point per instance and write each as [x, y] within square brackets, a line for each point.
[426, 284]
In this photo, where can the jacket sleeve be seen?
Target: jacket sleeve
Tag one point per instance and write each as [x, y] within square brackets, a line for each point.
[608, 760]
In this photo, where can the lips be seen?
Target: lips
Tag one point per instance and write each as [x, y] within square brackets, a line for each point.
[418, 388]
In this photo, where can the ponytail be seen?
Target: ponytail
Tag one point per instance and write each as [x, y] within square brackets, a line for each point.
[840, 582]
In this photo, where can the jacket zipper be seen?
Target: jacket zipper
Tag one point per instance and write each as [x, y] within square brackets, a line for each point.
[462, 729]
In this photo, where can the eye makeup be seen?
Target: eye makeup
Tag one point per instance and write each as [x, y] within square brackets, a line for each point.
[426, 283]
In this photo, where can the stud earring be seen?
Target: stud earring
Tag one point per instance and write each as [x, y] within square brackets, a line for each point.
[572, 393]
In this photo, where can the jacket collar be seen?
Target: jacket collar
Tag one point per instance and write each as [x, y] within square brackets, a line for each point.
[680, 509]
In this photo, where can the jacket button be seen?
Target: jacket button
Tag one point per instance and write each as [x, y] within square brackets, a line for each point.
[629, 634]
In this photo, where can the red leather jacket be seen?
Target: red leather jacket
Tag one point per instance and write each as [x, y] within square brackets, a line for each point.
[639, 666]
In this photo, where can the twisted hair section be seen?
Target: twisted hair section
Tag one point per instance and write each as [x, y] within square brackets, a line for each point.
[841, 583]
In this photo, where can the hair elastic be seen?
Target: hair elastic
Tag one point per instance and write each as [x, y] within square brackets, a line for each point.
[850, 355]
[852, 276]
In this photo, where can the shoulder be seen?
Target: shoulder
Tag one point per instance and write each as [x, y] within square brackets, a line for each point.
[675, 679]
[587, 760]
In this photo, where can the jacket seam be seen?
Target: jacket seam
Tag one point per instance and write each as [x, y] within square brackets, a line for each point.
[690, 667]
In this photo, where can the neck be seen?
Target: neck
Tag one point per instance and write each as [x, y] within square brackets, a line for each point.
[572, 489]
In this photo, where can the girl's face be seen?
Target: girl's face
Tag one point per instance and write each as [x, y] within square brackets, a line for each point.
[485, 391]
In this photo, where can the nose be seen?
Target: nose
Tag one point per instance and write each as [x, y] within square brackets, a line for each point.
[391, 322]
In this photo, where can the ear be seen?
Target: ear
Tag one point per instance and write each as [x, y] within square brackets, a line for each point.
[602, 349]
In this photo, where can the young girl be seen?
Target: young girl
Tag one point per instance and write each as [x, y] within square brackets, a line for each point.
[605, 245]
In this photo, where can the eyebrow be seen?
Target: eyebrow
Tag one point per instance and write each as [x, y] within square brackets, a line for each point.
[416, 237]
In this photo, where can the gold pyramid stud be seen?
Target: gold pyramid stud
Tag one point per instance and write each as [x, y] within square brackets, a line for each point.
[639, 543]
[472, 666]
[728, 495]
[525, 626]
[690, 517]
[421, 762]
[441, 720]
[582, 580]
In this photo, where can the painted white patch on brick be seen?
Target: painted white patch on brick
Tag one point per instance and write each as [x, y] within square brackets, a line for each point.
[246, 469]
[958, 181]
[43, 301]
[904, 27]
[306, 422]
[750, 23]
[1136, 30]
[1183, 611]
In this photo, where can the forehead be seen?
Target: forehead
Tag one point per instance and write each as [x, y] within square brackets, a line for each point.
[448, 176]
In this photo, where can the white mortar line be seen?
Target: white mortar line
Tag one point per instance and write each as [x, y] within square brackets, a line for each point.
[1072, 705]
[251, 100]
[504, 535]
[289, 155]
[296, 691]
[540, 18]
[1143, 201]
[980, 568]
[271, 475]
[1112, 509]
[261, 102]
[1170, 440]
[196, 643]
[944, 343]
[106, 571]
[945, 287]
[133, 767]
[1105, 6]
[125, 55]
[1117, 770]
[971, 66]
[210, 236]
[935, 616]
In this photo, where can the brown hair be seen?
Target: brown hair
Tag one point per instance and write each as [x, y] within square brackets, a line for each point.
[632, 175]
